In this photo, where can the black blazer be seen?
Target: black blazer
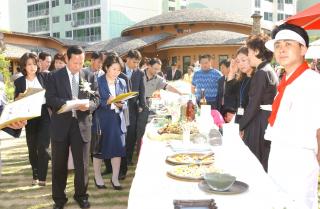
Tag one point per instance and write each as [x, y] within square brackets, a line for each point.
[230, 100]
[20, 83]
[263, 89]
[58, 92]
[177, 75]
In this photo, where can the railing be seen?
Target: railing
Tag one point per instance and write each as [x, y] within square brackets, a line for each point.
[85, 3]
[88, 38]
[86, 21]
[38, 28]
[38, 13]
[31, 1]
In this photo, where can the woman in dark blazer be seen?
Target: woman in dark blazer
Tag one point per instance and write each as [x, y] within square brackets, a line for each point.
[37, 129]
[263, 88]
[238, 86]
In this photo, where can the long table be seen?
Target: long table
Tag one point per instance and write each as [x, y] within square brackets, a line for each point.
[152, 188]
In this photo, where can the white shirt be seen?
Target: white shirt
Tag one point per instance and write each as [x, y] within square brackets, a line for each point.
[298, 116]
[33, 84]
[70, 77]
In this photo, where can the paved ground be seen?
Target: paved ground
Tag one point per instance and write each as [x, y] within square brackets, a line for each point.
[16, 191]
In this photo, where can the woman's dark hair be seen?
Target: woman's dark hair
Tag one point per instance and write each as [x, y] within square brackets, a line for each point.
[111, 59]
[24, 59]
[58, 56]
[291, 27]
[257, 43]
[74, 50]
[243, 50]
[154, 60]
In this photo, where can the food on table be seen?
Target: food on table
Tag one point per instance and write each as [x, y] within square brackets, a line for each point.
[176, 128]
[191, 172]
[190, 158]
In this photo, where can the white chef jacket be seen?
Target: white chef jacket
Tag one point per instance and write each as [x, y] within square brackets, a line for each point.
[292, 161]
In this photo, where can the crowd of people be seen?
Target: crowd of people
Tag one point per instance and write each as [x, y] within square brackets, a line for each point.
[245, 90]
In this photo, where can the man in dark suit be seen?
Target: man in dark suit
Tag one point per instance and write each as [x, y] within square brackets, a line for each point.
[71, 128]
[173, 73]
[134, 78]
[225, 101]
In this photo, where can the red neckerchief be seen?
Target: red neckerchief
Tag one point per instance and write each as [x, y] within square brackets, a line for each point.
[282, 86]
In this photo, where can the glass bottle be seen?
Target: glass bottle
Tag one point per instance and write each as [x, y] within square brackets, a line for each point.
[190, 111]
[203, 100]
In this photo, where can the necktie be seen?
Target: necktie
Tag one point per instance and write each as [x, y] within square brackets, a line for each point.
[281, 89]
[129, 73]
[75, 87]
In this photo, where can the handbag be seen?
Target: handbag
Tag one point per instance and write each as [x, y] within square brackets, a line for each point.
[96, 139]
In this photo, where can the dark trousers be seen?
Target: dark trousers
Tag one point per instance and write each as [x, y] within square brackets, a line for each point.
[60, 152]
[131, 137]
[141, 126]
[38, 140]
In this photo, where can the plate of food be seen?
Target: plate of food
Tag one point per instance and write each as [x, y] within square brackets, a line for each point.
[176, 128]
[191, 158]
[191, 172]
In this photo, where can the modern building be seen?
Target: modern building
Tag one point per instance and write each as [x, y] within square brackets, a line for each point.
[271, 11]
[182, 36]
[82, 20]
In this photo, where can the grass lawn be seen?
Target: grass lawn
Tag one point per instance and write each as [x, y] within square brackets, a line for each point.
[16, 191]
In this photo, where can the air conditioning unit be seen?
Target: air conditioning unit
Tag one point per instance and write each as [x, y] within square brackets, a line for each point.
[74, 24]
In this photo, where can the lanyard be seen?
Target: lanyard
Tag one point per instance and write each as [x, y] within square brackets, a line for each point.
[244, 84]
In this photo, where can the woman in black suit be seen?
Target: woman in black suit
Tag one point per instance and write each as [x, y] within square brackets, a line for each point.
[37, 129]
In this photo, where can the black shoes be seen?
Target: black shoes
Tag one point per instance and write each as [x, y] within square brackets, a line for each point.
[115, 187]
[83, 203]
[99, 186]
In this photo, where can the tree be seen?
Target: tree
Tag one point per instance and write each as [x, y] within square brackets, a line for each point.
[4, 70]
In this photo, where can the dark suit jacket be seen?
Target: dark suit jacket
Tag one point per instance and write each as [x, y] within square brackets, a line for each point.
[20, 83]
[263, 89]
[177, 75]
[230, 101]
[58, 93]
[136, 84]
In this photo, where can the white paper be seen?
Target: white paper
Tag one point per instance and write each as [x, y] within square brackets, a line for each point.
[23, 109]
[73, 104]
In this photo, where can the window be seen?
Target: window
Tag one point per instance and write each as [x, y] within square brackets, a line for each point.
[56, 35]
[288, 1]
[67, 17]
[280, 5]
[287, 16]
[38, 25]
[172, 8]
[280, 16]
[55, 19]
[186, 63]
[257, 12]
[183, 7]
[267, 16]
[172, 0]
[174, 59]
[38, 9]
[87, 34]
[69, 34]
[257, 3]
[222, 57]
[269, 0]
[55, 3]
[67, 1]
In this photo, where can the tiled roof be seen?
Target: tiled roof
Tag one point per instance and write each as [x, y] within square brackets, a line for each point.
[191, 16]
[206, 38]
[122, 45]
[16, 50]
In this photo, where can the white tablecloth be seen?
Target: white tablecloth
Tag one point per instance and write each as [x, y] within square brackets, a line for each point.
[153, 189]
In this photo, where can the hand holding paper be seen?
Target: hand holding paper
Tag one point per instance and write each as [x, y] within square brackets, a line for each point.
[75, 105]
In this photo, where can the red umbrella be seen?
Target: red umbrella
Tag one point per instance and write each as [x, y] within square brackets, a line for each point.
[309, 18]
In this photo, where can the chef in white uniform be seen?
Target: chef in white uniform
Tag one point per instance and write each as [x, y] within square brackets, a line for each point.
[295, 120]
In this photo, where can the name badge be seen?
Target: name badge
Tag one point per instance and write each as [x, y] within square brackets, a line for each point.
[240, 111]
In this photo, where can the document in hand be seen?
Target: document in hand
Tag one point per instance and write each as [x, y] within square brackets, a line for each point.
[73, 104]
[23, 109]
[28, 92]
[125, 96]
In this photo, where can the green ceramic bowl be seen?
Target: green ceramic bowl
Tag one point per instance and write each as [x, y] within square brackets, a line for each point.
[219, 181]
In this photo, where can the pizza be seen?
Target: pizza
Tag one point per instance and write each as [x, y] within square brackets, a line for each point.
[189, 158]
[191, 171]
